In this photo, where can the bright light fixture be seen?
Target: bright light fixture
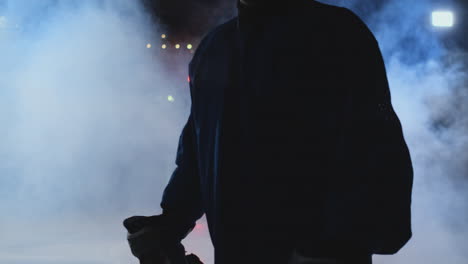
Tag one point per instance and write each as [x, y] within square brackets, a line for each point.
[170, 98]
[163, 36]
[148, 45]
[164, 46]
[177, 46]
[442, 19]
[189, 46]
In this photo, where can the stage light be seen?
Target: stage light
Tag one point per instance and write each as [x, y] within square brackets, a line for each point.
[148, 46]
[164, 46]
[177, 46]
[442, 19]
[163, 36]
[189, 46]
[170, 98]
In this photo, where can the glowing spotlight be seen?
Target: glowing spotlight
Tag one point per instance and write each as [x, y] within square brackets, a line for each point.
[442, 19]
[163, 36]
[170, 98]
[164, 46]
[177, 46]
[188, 79]
[148, 46]
[189, 46]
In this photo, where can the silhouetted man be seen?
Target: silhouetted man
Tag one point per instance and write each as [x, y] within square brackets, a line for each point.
[292, 148]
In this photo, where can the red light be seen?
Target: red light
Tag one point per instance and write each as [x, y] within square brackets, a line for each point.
[188, 79]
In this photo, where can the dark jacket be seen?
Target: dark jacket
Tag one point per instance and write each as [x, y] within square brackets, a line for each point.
[292, 140]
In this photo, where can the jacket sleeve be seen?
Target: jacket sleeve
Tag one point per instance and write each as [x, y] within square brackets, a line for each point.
[378, 141]
[182, 195]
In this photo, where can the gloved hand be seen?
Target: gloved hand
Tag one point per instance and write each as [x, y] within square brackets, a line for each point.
[136, 223]
[157, 239]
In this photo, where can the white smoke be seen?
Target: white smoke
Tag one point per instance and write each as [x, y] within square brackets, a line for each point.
[88, 136]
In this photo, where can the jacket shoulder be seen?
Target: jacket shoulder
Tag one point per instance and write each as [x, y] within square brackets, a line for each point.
[355, 24]
[209, 40]
[341, 17]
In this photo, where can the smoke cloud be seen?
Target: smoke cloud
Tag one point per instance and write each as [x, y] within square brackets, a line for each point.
[88, 136]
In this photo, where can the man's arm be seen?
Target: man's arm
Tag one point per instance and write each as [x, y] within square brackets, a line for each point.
[182, 195]
[377, 125]
[181, 203]
[377, 136]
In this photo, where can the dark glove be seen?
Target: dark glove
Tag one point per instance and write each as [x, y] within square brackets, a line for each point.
[136, 223]
[193, 259]
[157, 239]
